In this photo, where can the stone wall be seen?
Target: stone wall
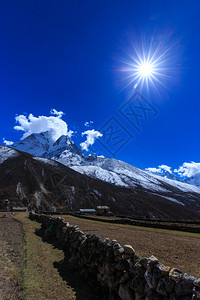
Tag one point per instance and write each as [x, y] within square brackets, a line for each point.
[148, 223]
[116, 269]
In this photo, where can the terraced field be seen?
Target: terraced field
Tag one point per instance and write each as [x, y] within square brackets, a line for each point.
[173, 248]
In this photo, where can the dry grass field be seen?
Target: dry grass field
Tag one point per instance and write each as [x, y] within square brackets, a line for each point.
[11, 258]
[172, 248]
[32, 269]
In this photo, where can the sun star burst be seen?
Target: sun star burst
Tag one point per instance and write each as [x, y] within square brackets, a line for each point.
[147, 67]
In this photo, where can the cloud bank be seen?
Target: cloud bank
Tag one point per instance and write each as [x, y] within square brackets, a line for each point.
[54, 124]
[7, 143]
[91, 136]
[161, 169]
[185, 170]
[188, 169]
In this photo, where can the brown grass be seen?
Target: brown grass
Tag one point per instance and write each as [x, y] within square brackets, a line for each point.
[173, 248]
[11, 258]
[41, 279]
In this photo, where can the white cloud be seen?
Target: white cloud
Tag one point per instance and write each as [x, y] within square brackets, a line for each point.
[153, 170]
[87, 124]
[165, 168]
[188, 169]
[7, 143]
[92, 135]
[53, 111]
[54, 124]
[161, 169]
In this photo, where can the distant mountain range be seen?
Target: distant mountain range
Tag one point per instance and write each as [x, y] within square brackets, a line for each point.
[167, 174]
[110, 170]
[195, 179]
[45, 184]
[47, 175]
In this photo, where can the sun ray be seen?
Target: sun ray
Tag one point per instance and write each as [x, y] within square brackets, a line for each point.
[148, 67]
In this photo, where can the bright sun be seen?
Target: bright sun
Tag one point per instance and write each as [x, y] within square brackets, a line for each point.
[145, 69]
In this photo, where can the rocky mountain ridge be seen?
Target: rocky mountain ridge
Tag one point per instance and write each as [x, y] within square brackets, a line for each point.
[45, 184]
[65, 151]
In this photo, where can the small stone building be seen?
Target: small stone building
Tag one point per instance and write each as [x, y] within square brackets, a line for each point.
[102, 210]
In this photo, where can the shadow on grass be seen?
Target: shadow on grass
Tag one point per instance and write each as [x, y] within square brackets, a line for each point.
[83, 289]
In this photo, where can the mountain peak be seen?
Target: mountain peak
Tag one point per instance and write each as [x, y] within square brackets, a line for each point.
[65, 151]
[35, 144]
[41, 144]
[63, 146]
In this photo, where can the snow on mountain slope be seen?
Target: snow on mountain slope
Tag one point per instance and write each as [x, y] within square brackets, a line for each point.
[109, 170]
[125, 174]
[69, 159]
[195, 179]
[174, 200]
[170, 176]
[129, 176]
[35, 144]
[185, 187]
[132, 176]
[40, 183]
[104, 175]
[6, 153]
[46, 161]
[63, 150]
[166, 174]
[64, 147]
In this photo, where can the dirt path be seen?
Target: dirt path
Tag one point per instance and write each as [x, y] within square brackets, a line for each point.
[41, 280]
[45, 275]
[31, 269]
[11, 258]
[172, 248]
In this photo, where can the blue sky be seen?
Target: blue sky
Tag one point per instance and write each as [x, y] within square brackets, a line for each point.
[67, 55]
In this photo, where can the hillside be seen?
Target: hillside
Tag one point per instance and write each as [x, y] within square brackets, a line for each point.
[48, 185]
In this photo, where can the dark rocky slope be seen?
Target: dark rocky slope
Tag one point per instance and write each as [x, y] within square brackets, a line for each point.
[47, 185]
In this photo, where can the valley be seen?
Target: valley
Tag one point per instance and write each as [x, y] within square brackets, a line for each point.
[30, 267]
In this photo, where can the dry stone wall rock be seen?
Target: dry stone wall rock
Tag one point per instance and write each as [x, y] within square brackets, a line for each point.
[117, 269]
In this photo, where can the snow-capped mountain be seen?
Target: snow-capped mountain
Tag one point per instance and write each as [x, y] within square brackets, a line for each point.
[42, 145]
[167, 174]
[195, 179]
[65, 151]
[122, 174]
[44, 184]
[36, 144]
[109, 170]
